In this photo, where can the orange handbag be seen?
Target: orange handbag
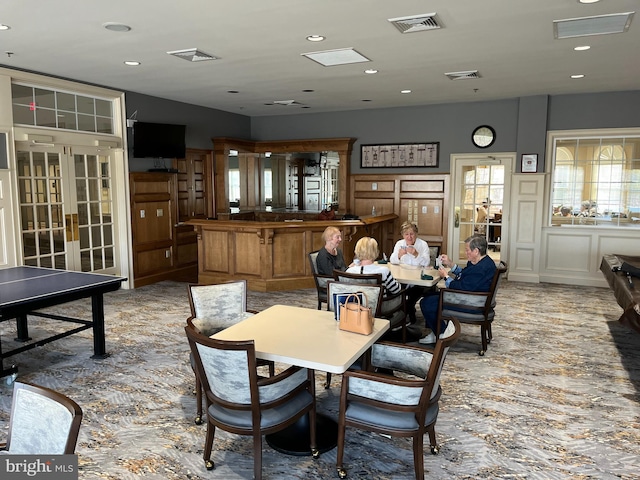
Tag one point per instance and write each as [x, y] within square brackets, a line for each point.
[354, 317]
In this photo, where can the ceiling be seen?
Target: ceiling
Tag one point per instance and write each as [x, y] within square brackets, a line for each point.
[510, 43]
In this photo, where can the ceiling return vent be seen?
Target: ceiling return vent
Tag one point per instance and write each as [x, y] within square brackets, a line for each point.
[469, 74]
[416, 23]
[192, 55]
[598, 25]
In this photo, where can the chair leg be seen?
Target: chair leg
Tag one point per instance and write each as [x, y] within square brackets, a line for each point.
[328, 383]
[418, 458]
[431, 430]
[483, 334]
[342, 473]
[257, 456]
[489, 333]
[198, 419]
[208, 445]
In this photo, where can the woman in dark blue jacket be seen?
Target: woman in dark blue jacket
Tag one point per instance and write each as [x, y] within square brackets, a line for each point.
[475, 277]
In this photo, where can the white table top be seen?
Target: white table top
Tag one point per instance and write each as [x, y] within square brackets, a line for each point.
[304, 337]
[410, 275]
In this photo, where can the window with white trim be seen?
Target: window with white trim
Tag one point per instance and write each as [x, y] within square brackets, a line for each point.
[596, 181]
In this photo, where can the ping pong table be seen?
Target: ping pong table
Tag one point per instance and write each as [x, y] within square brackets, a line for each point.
[23, 290]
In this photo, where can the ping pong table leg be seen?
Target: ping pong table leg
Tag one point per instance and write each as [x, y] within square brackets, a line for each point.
[21, 327]
[97, 309]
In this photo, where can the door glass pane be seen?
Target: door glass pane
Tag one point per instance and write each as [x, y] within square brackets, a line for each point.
[83, 214]
[45, 243]
[97, 260]
[84, 237]
[43, 217]
[58, 241]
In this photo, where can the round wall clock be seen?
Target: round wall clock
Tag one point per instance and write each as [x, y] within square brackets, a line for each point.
[483, 136]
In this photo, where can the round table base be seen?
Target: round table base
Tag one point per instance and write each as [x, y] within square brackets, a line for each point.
[294, 440]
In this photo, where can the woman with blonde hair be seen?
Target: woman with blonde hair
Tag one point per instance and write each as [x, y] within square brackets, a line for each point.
[330, 257]
[367, 252]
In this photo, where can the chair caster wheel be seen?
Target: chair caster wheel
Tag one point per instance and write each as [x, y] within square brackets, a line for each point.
[209, 464]
[481, 353]
[315, 453]
[435, 450]
[198, 420]
[342, 473]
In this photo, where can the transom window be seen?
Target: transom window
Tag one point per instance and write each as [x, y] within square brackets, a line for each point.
[42, 107]
[596, 181]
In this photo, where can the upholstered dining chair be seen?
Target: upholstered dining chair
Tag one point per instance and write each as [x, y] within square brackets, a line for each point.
[392, 306]
[475, 308]
[42, 421]
[213, 308]
[241, 403]
[373, 295]
[399, 406]
[320, 280]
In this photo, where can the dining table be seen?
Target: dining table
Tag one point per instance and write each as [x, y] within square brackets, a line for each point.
[307, 338]
[414, 275]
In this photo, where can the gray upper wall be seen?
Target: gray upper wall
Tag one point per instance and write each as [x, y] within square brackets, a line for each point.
[521, 124]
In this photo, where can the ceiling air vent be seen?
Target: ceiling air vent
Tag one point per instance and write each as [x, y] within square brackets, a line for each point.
[192, 55]
[416, 23]
[463, 75]
[598, 25]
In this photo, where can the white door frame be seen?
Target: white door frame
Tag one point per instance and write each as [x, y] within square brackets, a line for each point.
[457, 160]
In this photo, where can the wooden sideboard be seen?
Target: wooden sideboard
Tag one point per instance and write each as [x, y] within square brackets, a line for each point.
[272, 256]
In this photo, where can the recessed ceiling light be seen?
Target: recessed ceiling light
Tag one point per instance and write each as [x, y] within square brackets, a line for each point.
[578, 76]
[582, 48]
[132, 63]
[116, 27]
[233, 91]
[366, 100]
[305, 106]
[315, 38]
[308, 90]
[4, 27]
[405, 91]
[588, 1]
[370, 71]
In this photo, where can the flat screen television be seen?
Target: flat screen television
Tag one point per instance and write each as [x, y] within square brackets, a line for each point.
[158, 140]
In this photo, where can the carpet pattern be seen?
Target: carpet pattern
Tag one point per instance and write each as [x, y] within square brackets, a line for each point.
[557, 395]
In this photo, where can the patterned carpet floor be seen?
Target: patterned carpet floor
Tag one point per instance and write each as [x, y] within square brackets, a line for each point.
[557, 396]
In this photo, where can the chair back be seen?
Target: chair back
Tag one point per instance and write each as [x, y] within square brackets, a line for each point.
[373, 294]
[227, 369]
[433, 253]
[214, 307]
[344, 277]
[414, 360]
[320, 280]
[42, 421]
[495, 283]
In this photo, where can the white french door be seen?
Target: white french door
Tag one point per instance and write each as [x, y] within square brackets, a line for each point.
[66, 207]
[481, 182]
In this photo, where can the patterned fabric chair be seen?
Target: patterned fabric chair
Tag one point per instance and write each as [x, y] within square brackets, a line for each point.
[373, 296]
[239, 402]
[476, 308]
[321, 280]
[214, 308]
[392, 306]
[390, 405]
[42, 421]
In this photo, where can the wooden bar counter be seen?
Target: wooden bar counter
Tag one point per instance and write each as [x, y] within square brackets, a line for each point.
[272, 255]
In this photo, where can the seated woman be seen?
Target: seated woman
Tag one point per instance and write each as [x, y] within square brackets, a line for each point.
[475, 277]
[411, 250]
[330, 257]
[367, 252]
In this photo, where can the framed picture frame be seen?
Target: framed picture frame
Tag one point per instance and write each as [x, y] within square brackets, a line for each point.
[529, 163]
[405, 155]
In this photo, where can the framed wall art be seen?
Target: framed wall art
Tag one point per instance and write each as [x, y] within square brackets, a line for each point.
[529, 163]
[404, 155]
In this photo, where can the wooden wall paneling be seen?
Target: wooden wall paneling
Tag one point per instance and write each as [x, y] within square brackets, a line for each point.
[423, 199]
